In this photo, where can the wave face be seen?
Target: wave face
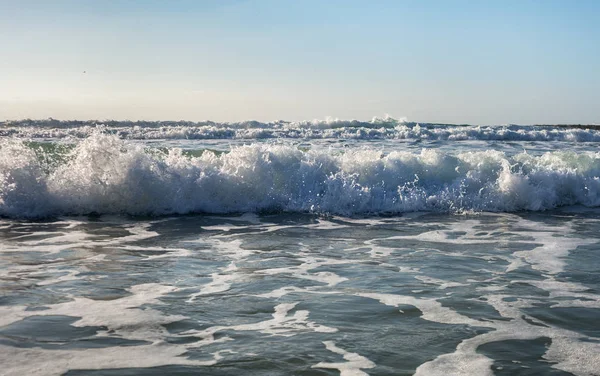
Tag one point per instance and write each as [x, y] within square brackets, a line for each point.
[104, 174]
[377, 128]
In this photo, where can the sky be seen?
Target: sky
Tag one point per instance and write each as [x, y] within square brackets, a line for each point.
[451, 61]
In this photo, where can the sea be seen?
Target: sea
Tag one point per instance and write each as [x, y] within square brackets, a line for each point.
[325, 247]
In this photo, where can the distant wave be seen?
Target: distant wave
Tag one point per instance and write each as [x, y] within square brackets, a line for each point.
[377, 128]
[104, 174]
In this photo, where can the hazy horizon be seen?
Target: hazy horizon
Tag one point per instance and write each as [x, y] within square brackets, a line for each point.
[326, 119]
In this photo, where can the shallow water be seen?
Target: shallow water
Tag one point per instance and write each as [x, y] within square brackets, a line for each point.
[93, 285]
[302, 294]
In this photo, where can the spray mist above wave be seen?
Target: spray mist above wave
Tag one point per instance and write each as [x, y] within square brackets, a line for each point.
[104, 174]
[377, 128]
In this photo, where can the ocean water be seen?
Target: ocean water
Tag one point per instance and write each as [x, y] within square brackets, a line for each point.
[309, 248]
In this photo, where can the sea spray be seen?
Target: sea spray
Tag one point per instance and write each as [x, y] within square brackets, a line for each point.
[105, 174]
[386, 128]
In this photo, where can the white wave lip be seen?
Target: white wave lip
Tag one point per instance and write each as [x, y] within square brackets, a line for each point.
[377, 128]
[104, 174]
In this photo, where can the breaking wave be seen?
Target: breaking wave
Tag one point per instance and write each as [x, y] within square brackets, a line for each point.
[377, 128]
[104, 174]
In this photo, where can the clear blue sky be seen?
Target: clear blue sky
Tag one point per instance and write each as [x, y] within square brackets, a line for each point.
[441, 61]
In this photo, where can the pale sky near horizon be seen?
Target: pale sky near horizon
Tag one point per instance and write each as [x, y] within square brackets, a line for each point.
[478, 62]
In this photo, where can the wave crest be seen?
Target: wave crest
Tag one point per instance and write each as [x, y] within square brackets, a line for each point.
[104, 174]
[377, 128]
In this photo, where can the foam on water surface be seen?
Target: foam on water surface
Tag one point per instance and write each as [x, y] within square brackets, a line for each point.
[242, 270]
[353, 365]
[382, 258]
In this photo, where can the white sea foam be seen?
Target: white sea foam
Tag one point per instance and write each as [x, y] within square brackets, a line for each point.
[432, 309]
[78, 239]
[283, 323]
[566, 350]
[221, 282]
[442, 285]
[353, 365]
[104, 174]
[123, 318]
[551, 245]
[377, 128]
[301, 271]
[545, 248]
[18, 361]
